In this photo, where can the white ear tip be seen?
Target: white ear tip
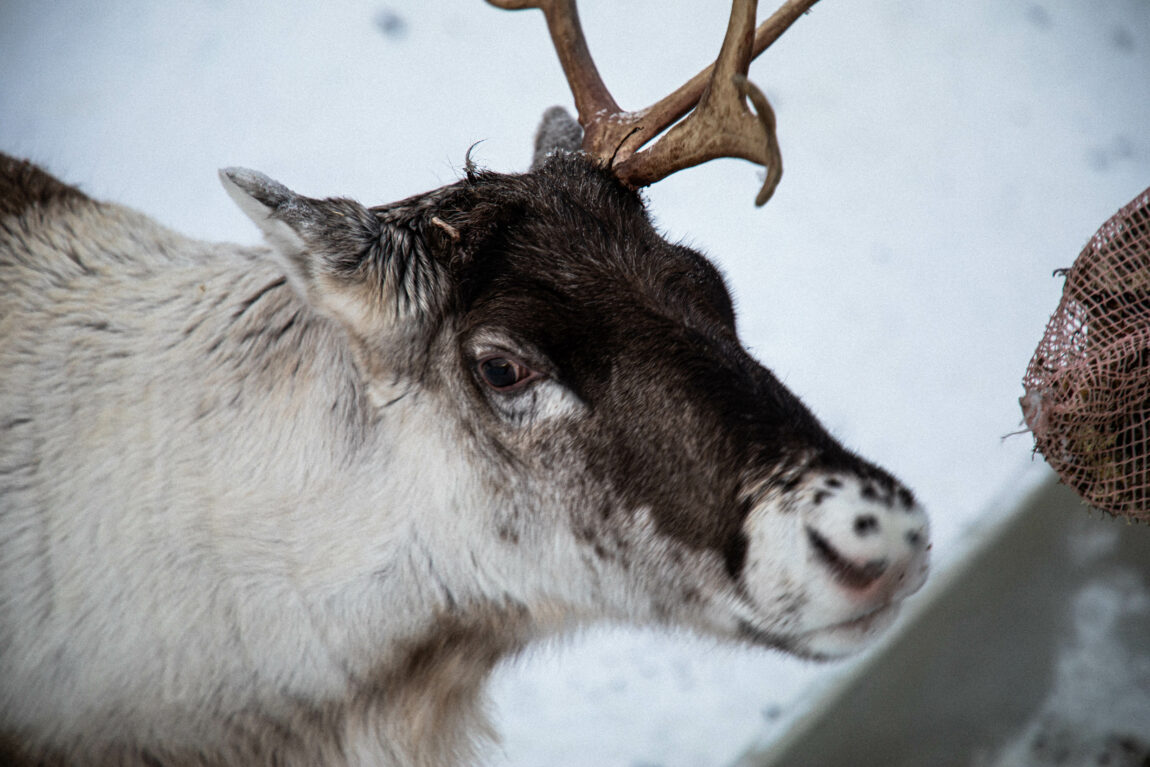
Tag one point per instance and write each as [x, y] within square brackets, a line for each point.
[233, 180]
[256, 185]
[245, 176]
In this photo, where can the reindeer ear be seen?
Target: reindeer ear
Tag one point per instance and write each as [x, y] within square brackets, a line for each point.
[558, 132]
[277, 211]
[337, 254]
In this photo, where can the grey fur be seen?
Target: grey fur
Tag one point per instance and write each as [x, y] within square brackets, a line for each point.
[558, 132]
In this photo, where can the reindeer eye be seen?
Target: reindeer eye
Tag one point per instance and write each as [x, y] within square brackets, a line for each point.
[504, 373]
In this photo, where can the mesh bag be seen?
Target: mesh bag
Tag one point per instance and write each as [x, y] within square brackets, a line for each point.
[1087, 398]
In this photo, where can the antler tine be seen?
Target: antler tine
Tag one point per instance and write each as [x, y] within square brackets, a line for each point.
[720, 125]
[675, 105]
[592, 99]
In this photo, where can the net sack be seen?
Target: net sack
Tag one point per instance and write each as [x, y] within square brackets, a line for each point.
[1087, 398]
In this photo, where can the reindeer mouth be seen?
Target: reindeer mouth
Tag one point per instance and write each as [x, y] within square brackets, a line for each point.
[855, 576]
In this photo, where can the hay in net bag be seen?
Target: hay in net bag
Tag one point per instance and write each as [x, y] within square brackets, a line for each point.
[1087, 398]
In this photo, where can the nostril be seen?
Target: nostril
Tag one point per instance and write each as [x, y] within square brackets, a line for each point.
[850, 574]
[866, 524]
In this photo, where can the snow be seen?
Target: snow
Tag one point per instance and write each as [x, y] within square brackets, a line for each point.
[942, 159]
[1097, 708]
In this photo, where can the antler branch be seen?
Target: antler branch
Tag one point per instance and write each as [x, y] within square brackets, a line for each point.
[717, 122]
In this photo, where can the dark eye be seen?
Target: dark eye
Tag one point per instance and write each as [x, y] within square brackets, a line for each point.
[504, 373]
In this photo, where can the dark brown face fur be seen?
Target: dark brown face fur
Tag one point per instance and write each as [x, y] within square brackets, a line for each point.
[679, 416]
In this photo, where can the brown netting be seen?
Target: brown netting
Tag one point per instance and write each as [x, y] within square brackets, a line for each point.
[1087, 388]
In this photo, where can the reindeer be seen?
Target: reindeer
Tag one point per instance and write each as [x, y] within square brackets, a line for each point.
[291, 505]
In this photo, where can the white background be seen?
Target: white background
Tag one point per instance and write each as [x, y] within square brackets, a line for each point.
[941, 160]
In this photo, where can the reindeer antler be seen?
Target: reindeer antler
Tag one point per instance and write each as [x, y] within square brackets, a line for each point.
[717, 123]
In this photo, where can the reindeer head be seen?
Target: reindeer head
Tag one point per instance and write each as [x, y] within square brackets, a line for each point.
[625, 457]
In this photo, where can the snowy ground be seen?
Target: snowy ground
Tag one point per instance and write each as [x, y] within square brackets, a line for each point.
[1098, 709]
[941, 160]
